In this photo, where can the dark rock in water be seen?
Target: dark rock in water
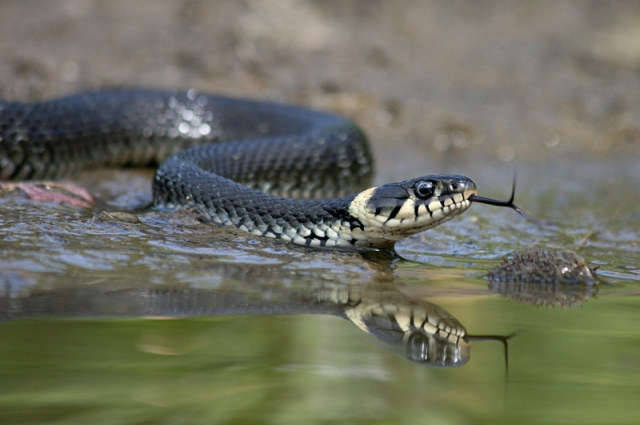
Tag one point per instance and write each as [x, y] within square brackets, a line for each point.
[544, 277]
[543, 266]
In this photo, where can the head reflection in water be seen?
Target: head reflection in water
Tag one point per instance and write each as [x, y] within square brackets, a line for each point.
[419, 330]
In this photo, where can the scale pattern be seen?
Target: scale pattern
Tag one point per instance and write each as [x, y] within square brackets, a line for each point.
[231, 152]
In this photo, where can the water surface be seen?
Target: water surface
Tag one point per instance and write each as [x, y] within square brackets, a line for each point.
[259, 344]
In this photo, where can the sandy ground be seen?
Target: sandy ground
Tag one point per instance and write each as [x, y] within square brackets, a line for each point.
[433, 83]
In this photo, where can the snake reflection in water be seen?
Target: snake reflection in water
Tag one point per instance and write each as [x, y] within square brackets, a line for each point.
[415, 328]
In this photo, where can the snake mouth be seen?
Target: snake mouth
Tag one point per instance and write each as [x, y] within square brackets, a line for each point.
[430, 213]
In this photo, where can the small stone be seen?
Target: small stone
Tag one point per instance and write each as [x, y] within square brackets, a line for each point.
[543, 266]
[544, 277]
[122, 217]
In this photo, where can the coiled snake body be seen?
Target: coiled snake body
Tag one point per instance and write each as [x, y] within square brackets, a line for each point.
[238, 161]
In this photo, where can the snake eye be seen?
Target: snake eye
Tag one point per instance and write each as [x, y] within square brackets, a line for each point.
[424, 189]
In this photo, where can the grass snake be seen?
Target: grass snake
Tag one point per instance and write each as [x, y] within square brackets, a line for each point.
[261, 166]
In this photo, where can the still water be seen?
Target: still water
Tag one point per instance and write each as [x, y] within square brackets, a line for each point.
[274, 334]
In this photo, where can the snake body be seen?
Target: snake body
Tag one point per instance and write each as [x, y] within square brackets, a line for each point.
[240, 162]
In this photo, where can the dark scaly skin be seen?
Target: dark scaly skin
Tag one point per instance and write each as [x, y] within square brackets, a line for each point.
[230, 203]
[134, 127]
[281, 149]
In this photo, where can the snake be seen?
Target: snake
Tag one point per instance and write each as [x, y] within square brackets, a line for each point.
[270, 169]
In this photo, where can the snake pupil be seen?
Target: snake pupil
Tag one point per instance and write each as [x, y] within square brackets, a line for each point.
[424, 189]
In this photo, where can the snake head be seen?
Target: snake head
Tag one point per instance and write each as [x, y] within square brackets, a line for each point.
[394, 211]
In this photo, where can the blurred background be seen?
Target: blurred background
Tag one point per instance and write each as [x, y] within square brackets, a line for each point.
[450, 82]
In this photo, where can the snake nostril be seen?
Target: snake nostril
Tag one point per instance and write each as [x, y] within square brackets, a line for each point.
[453, 186]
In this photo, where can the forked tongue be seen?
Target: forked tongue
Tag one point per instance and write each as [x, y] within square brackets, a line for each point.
[497, 203]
